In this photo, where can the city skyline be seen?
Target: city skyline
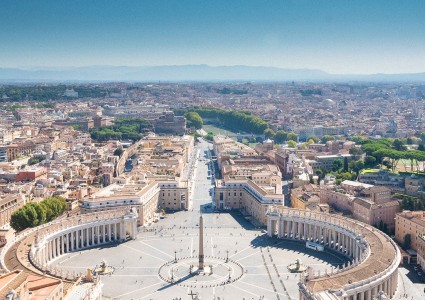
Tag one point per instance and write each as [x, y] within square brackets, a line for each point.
[338, 37]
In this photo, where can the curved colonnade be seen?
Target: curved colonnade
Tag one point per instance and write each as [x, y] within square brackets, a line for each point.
[76, 233]
[374, 256]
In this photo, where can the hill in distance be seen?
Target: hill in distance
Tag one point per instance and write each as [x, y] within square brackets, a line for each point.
[190, 73]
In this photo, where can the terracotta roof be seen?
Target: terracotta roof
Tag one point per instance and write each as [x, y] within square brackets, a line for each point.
[11, 281]
[42, 287]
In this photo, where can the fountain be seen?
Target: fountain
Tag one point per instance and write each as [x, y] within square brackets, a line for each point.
[103, 269]
[297, 267]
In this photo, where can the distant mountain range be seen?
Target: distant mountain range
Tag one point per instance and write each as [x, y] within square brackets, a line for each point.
[190, 73]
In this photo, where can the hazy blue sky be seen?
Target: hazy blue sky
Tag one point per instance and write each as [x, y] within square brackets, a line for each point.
[338, 36]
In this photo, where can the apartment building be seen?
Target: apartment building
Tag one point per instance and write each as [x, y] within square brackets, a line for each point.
[147, 196]
[421, 250]
[367, 203]
[248, 197]
[307, 197]
[412, 223]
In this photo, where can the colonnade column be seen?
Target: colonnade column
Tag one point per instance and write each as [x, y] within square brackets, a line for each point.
[269, 227]
[97, 235]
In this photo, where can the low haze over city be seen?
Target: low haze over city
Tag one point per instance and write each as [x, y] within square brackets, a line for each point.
[212, 150]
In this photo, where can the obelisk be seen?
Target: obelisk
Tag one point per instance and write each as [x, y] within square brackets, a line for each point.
[201, 244]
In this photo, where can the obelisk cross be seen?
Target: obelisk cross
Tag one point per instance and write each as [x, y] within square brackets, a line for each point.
[201, 244]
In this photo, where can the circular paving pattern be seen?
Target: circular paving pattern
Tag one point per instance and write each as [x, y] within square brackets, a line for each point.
[217, 272]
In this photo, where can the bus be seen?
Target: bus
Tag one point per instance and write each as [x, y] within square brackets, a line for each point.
[314, 246]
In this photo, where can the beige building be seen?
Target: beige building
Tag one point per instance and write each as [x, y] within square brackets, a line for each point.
[410, 222]
[227, 149]
[8, 205]
[367, 203]
[251, 183]
[421, 250]
[158, 180]
[247, 196]
[307, 197]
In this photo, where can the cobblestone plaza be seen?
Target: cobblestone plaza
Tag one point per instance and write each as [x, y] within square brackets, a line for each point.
[262, 260]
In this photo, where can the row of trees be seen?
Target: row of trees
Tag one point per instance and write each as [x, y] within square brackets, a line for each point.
[49, 92]
[390, 152]
[410, 202]
[34, 214]
[280, 136]
[236, 120]
[128, 128]
[193, 119]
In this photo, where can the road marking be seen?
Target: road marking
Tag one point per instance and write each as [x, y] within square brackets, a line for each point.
[244, 290]
[122, 295]
[191, 247]
[249, 247]
[156, 249]
[247, 255]
[259, 287]
[134, 249]
[212, 247]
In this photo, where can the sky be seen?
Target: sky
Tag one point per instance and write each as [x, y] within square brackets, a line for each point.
[336, 36]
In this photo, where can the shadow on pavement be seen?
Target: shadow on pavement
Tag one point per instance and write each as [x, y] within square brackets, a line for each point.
[298, 247]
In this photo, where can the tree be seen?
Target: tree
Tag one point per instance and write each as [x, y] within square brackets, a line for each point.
[422, 137]
[118, 152]
[314, 138]
[34, 160]
[336, 165]
[356, 166]
[355, 151]
[420, 205]
[292, 136]
[358, 139]
[194, 120]
[34, 214]
[280, 136]
[421, 147]
[399, 145]
[292, 144]
[345, 166]
[319, 174]
[209, 136]
[327, 138]
[269, 133]
[370, 161]
[236, 120]
[407, 241]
